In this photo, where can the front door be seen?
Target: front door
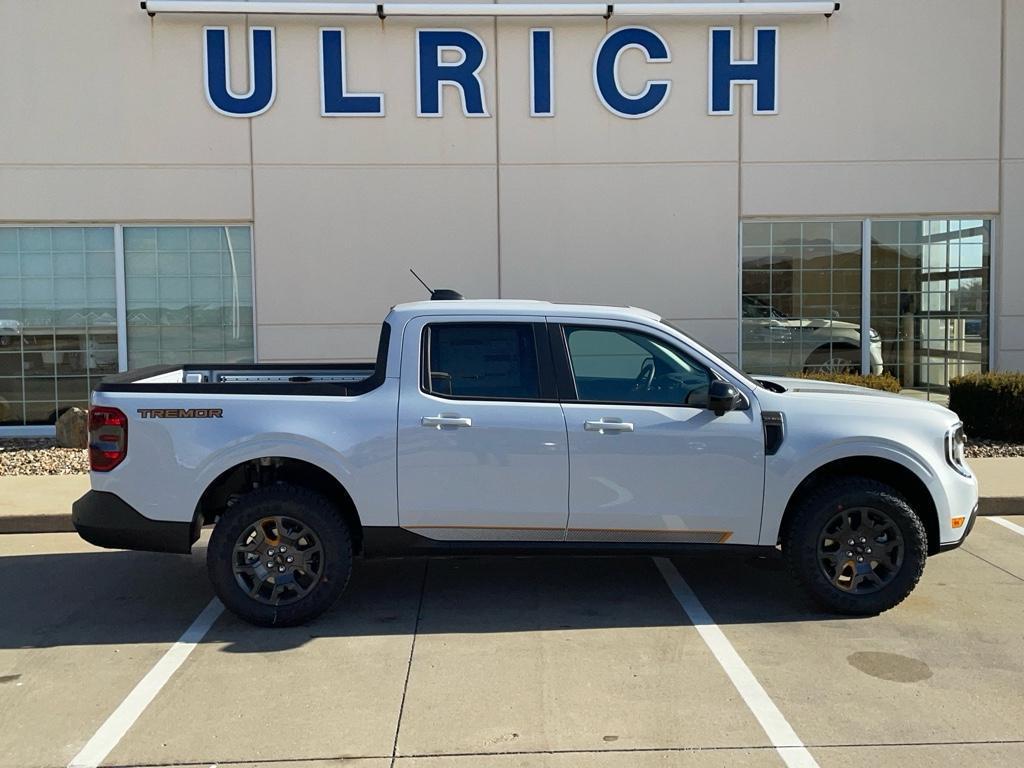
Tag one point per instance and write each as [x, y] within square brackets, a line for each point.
[647, 461]
[482, 445]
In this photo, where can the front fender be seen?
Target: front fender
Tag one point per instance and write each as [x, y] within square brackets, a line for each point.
[785, 472]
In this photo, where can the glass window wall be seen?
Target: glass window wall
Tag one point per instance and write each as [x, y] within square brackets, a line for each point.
[188, 299]
[189, 295]
[929, 298]
[58, 319]
[801, 296]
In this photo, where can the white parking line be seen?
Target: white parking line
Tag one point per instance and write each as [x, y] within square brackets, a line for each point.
[780, 732]
[1007, 524]
[116, 726]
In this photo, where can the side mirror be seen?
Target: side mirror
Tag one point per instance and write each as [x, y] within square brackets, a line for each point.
[722, 397]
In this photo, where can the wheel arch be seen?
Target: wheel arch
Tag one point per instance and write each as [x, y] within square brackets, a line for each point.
[826, 348]
[900, 477]
[247, 475]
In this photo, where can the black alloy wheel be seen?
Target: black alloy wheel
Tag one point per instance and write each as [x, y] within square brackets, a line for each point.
[278, 560]
[280, 555]
[860, 550]
[856, 545]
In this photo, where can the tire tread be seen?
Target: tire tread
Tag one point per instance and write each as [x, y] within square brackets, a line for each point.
[335, 538]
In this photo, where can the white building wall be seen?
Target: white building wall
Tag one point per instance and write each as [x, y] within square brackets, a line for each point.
[890, 108]
[1009, 276]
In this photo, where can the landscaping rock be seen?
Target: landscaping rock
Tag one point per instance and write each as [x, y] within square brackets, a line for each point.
[40, 456]
[73, 429]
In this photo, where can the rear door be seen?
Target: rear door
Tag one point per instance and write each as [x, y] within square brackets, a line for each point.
[648, 461]
[482, 444]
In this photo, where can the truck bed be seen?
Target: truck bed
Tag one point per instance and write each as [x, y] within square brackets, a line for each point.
[267, 378]
[338, 379]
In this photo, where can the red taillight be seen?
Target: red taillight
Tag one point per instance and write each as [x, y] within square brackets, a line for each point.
[108, 438]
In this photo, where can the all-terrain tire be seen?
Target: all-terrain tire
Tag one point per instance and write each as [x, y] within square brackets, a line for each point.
[814, 513]
[326, 527]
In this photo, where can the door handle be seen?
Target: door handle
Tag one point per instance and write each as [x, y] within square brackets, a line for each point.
[446, 421]
[603, 426]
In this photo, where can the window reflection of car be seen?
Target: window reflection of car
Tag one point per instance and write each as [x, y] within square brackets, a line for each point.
[774, 341]
[9, 331]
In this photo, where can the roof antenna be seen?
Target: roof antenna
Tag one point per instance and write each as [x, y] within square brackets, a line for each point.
[421, 281]
[440, 294]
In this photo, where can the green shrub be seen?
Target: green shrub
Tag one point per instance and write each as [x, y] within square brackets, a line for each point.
[991, 405]
[885, 382]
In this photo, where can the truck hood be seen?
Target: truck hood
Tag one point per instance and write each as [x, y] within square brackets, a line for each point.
[813, 385]
[797, 387]
[808, 322]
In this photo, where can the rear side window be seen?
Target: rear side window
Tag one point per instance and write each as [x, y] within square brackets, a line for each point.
[481, 360]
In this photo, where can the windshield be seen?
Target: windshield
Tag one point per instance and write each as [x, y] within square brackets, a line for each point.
[718, 356]
[757, 307]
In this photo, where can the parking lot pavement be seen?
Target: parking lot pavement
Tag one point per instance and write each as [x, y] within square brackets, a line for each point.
[512, 663]
[558, 654]
[999, 546]
[333, 688]
[945, 667]
[80, 627]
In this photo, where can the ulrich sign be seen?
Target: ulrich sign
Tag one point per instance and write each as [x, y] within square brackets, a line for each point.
[455, 57]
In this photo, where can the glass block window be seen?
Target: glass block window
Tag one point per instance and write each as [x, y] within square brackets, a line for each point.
[801, 296]
[188, 294]
[930, 298]
[58, 319]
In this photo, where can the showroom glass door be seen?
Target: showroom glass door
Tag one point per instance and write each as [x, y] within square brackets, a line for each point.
[930, 299]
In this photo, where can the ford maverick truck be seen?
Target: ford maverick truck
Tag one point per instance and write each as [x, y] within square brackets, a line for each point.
[520, 427]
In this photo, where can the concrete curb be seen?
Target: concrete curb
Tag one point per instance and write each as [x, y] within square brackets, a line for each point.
[1001, 505]
[45, 523]
[61, 522]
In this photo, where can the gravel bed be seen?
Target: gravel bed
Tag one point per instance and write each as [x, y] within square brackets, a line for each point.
[988, 449]
[41, 456]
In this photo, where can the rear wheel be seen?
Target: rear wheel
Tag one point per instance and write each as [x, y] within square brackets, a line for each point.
[281, 555]
[857, 546]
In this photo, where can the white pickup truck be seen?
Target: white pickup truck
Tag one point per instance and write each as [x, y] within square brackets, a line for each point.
[520, 427]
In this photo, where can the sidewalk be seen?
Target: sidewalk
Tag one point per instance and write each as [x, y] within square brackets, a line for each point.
[1002, 485]
[39, 504]
[43, 504]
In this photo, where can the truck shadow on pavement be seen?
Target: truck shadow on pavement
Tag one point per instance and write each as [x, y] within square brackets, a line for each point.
[126, 598]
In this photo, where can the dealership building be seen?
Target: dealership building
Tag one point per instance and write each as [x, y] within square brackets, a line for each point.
[237, 181]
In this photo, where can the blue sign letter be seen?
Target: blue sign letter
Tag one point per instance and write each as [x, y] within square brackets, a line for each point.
[724, 71]
[335, 100]
[542, 74]
[433, 73]
[262, 72]
[606, 72]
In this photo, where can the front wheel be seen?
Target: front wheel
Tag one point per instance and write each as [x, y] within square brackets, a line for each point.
[281, 555]
[832, 361]
[857, 546]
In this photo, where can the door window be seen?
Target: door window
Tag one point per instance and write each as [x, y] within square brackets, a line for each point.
[619, 366]
[496, 361]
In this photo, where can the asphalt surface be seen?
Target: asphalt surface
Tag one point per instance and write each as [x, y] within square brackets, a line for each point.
[501, 663]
